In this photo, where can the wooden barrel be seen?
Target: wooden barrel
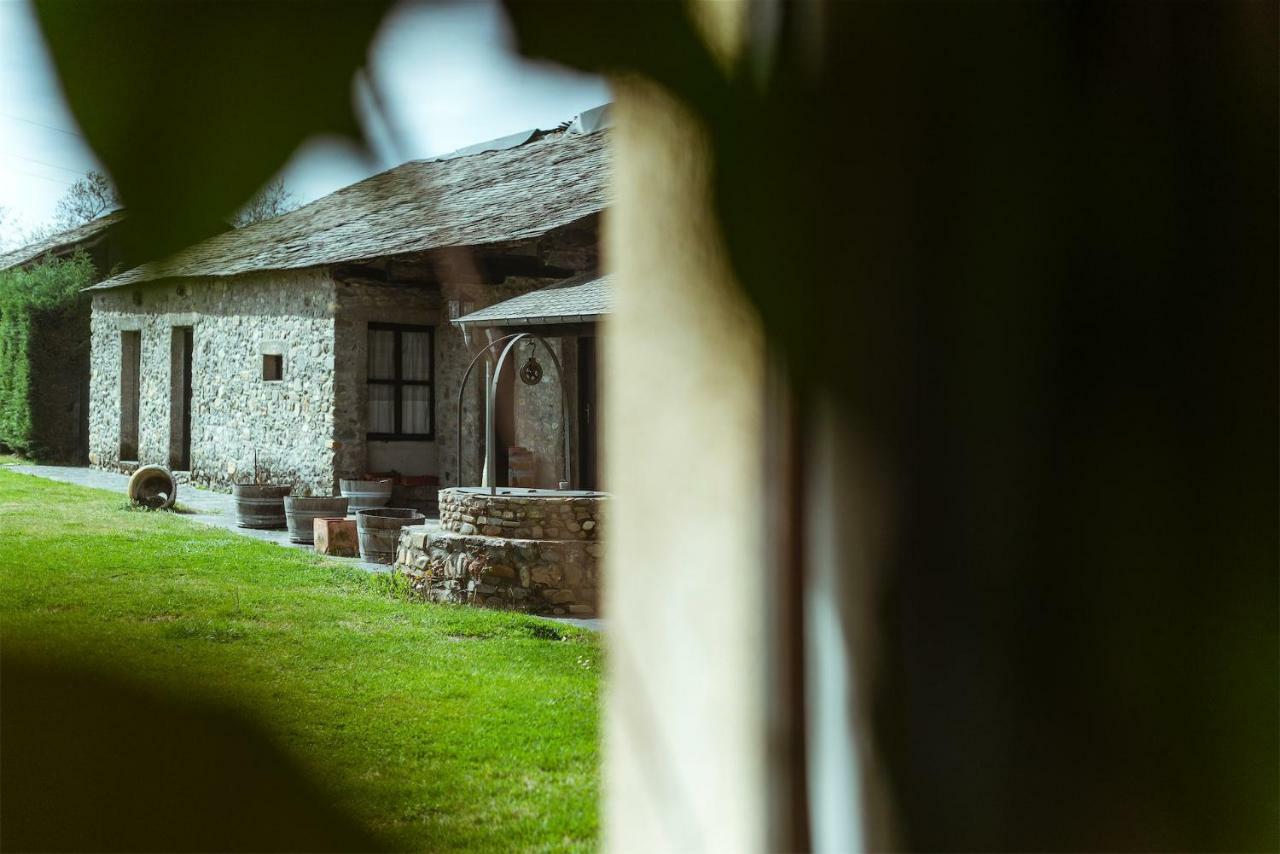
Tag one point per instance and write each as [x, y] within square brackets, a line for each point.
[522, 467]
[379, 531]
[260, 505]
[301, 513]
[365, 494]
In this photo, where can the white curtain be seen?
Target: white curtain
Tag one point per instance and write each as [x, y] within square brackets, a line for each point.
[415, 356]
[382, 354]
[382, 408]
[416, 408]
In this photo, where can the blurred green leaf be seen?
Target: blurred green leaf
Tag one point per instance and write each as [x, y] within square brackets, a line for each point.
[193, 106]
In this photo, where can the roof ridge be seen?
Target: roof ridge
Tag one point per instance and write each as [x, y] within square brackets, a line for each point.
[23, 254]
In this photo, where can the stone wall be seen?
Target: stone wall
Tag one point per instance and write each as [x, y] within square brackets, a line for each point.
[456, 350]
[534, 576]
[558, 516]
[539, 411]
[359, 303]
[235, 411]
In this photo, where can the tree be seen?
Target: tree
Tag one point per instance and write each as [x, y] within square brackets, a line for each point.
[85, 200]
[271, 201]
[14, 233]
[8, 229]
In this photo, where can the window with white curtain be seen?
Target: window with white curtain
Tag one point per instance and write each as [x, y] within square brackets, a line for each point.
[401, 382]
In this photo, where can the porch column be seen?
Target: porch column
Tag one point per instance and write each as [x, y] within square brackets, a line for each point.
[683, 369]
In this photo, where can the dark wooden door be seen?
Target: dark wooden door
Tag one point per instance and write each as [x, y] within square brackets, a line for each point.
[180, 399]
[187, 340]
[588, 415]
[505, 422]
[130, 402]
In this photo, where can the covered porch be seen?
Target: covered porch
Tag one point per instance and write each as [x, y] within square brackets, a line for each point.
[545, 412]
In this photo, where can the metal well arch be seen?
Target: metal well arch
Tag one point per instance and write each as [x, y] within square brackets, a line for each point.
[490, 427]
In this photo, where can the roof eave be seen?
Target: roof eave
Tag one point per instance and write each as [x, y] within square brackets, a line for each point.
[538, 320]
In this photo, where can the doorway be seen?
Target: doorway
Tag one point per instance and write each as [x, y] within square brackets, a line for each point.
[180, 399]
[130, 402]
[588, 415]
[504, 423]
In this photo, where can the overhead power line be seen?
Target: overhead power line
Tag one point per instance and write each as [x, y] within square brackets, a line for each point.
[43, 163]
[34, 175]
[42, 125]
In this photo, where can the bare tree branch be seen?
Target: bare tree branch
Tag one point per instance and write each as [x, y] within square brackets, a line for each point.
[85, 200]
[271, 201]
[8, 229]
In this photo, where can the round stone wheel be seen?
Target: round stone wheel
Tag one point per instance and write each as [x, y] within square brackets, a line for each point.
[153, 487]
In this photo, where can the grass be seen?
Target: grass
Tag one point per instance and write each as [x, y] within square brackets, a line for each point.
[437, 727]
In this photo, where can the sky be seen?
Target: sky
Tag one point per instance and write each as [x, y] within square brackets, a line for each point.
[479, 90]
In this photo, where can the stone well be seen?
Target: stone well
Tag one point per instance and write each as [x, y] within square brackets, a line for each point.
[532, 550]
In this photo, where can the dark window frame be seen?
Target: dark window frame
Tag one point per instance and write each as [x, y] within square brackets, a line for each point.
[270, 361]
[398, 383]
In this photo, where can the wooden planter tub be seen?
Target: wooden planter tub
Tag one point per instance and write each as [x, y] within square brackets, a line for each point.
[302, 511]
[260, 505]
[379, 531]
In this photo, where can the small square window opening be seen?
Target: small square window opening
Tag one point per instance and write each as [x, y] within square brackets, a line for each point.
[272, 368]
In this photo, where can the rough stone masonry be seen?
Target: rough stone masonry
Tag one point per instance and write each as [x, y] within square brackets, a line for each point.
[533, 551]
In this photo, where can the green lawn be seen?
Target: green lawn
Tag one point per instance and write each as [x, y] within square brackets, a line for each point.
[436, 727]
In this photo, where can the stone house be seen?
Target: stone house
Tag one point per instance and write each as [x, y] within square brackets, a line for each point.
[58, 351]
[318, 345]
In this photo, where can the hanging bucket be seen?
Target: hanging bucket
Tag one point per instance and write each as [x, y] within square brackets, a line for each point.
[301, 513]
[379, 531]
[260, 505]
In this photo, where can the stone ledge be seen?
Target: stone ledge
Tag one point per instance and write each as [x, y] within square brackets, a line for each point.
[556, 577]
[523, 515]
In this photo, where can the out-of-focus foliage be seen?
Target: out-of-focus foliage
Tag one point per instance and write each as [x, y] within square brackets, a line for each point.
[1029, 253]
[88, 198]
[27, 295]
[193, 106]
[271, 201]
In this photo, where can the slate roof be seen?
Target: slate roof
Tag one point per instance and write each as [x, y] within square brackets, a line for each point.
[72, 238]
[557, 178]
[575, 300]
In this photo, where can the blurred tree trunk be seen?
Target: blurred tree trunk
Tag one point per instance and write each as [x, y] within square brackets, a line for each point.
[683, 369]
[1022, 261]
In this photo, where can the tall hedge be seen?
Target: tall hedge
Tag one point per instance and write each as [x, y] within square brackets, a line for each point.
[42, 293]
